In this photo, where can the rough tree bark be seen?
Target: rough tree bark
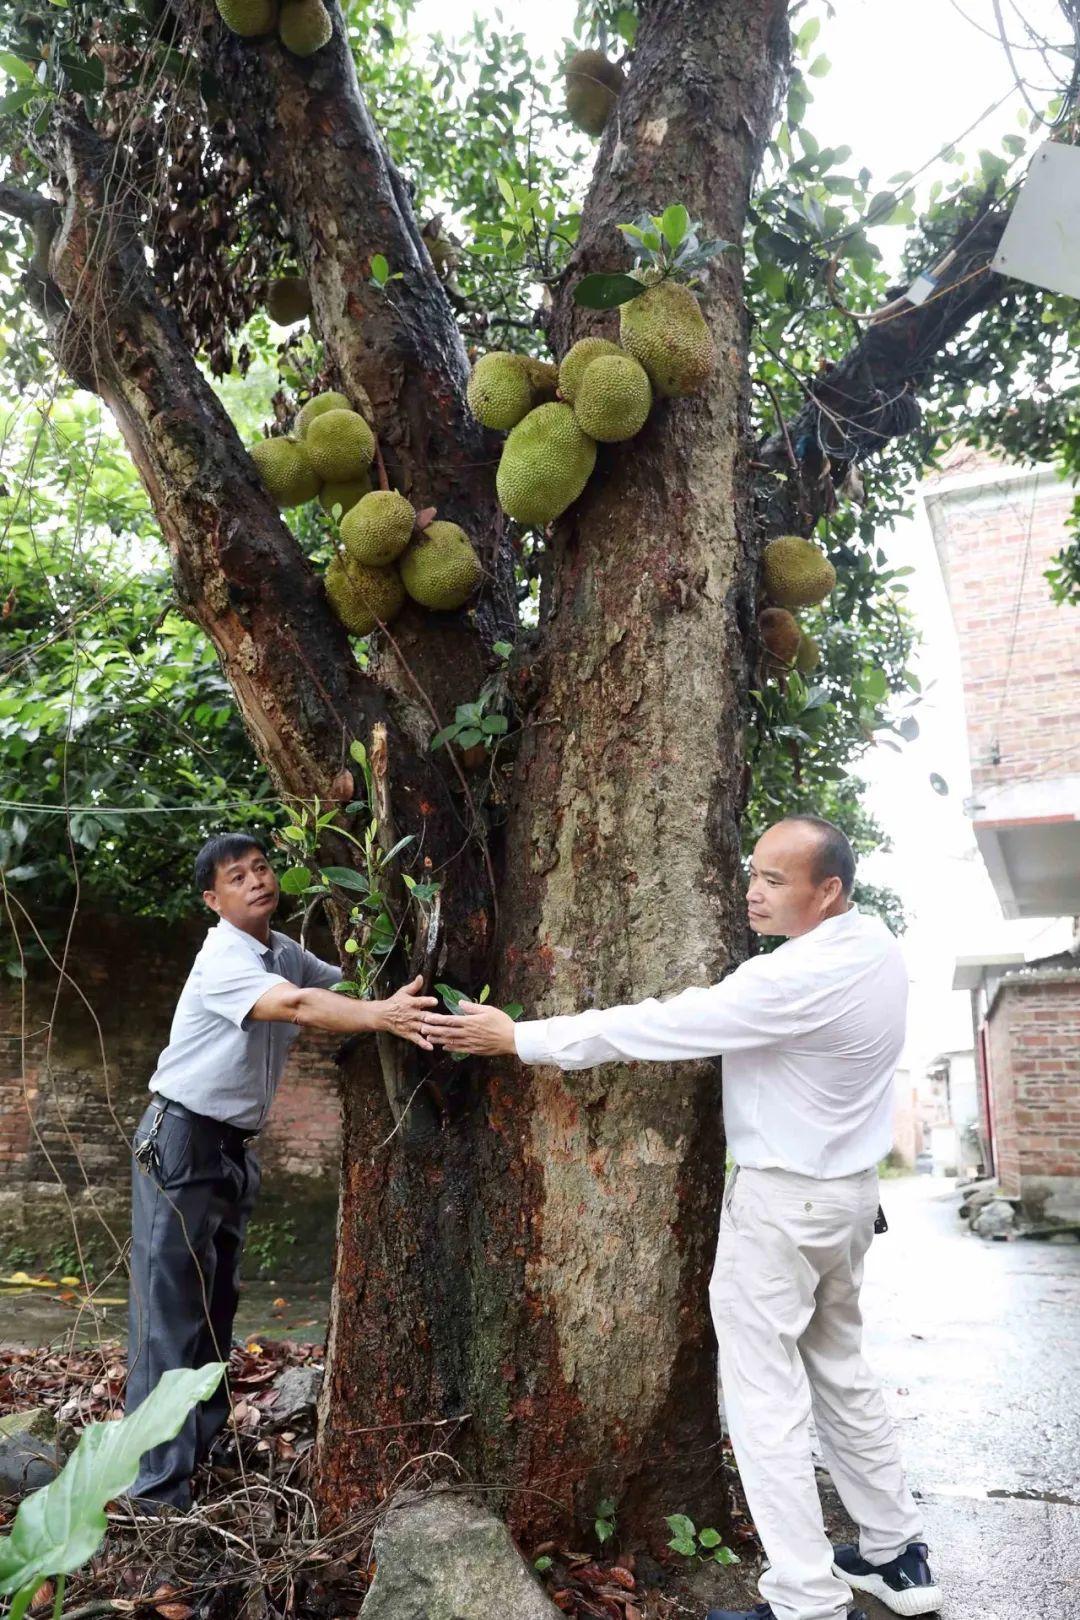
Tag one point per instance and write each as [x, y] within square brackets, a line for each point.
[522, 1265]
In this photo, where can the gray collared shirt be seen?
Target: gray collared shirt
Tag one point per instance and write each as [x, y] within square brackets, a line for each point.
[218, 1061]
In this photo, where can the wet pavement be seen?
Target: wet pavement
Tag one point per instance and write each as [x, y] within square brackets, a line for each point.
[978, 1348]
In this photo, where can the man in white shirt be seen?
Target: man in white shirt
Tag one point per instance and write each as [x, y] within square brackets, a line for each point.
[194, 1176]
[810, 1035]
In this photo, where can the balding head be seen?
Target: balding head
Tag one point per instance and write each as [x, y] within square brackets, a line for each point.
[801, 872]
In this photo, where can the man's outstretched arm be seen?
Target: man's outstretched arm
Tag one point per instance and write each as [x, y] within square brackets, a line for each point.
[401, 1014]
[749, 1008]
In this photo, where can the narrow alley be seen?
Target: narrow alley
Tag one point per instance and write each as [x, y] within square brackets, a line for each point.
[978, 1349]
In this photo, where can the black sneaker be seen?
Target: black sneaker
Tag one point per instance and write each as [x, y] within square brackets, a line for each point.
[905, 1584]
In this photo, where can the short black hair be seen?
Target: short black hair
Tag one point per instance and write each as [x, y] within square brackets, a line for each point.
[222, 847]
[835, 856]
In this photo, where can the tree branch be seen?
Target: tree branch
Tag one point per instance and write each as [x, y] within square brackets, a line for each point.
[854, 408]
[24, 205]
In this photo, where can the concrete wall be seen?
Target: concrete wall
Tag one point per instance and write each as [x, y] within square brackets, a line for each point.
[75, 1057]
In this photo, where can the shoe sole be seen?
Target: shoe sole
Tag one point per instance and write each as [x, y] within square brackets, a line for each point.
[915, 1600]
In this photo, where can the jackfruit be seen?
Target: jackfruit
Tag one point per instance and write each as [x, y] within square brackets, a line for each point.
[440, 569]
[378, 528]
[286, 471]
[343, 495]
[304, 26]
[795, 573]
[288, 300]
[249, 18]
[576, 361]
[362, 596]
[545, 465]
[315, 407]
[340, 446]
[808, 656]
[665, 329]
[500, 392]
[780, 633]
[613, 398]
[592, 89]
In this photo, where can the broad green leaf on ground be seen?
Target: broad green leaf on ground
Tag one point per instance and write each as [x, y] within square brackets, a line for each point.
[59, 1527]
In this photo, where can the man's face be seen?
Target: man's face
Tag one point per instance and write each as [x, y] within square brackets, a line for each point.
[783, 897]
[245, 891]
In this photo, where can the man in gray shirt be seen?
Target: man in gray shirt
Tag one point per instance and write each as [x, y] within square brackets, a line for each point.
[195, 1177]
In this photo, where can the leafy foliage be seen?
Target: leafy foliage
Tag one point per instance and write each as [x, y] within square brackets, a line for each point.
[112, 699]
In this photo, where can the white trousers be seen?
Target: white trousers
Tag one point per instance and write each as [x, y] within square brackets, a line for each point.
[785, 1305]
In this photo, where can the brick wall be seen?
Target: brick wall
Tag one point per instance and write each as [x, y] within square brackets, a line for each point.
[74, 1065]
[1034, 1048]
[1019, 651]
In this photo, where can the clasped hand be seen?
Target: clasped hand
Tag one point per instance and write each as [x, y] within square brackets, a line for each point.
[480, 1030]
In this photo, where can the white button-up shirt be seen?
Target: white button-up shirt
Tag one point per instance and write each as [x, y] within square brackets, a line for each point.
[810, 1035]
[219, 1061]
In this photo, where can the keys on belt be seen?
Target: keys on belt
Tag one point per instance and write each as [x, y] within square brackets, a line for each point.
[146, 1153]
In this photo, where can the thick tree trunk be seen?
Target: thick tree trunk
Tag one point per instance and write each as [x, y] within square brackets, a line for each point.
[538, 1271]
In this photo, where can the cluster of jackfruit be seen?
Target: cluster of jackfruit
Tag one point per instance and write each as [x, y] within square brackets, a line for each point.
[592, 84]
[383, 557]
[601, 393]
[303, 26]
[795, 574]
[327, 456]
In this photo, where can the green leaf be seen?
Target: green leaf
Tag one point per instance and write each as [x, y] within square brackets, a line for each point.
[875, 685]
[380, 269]
[295, 835]
[514, 1010]
[295, 880]
[59, 1527]
[605, 1508]
[819, 67]
[604, 1530]
[507, 190]
[447, 734]
[18, 99]
[345, 878]
[709, 1537]
[542, 1564]
[357, 751]
[494, 724]
[502, 649]
[675, 223]
[626, 24]
[19, 70]
[724, 1555]
[681, 1526]
[607, 291]
[470, 737]
[400, 845]
[452, 997]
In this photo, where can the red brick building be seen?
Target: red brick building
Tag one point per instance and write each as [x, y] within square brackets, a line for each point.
[76, 1053]
[996, 529]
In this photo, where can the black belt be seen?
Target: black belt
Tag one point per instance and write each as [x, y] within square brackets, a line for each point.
[233, 1134]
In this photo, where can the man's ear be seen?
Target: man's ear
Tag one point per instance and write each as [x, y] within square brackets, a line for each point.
[210, 898]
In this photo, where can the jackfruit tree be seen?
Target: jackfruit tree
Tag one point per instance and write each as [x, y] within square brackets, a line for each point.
[522, 1255]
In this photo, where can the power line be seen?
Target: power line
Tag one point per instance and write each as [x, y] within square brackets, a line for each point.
[129, 810]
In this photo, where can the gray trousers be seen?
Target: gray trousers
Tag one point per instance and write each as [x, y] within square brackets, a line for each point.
[189, 1212]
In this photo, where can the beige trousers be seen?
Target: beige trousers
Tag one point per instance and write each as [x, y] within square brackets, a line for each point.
[785, 1305]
